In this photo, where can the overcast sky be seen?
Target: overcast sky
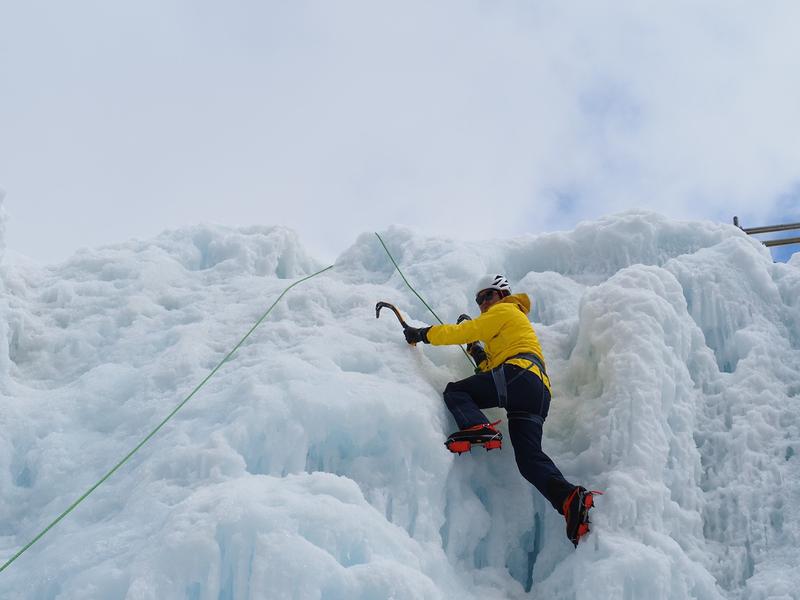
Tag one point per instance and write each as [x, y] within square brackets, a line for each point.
[460, 118]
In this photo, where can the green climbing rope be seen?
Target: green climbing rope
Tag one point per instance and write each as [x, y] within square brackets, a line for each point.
[159, 426]
[396, 266]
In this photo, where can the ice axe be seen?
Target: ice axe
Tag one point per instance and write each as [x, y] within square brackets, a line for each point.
[405, 325]
[393, 308]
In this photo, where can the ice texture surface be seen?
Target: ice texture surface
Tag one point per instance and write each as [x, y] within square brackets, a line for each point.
[312, 465]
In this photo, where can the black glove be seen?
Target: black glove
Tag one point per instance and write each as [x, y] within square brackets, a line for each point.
[414, 335]
[477, 352]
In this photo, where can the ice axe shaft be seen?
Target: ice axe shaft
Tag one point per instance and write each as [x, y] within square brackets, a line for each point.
[393, 308]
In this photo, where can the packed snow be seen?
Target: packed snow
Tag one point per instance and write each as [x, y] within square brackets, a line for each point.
[312, 464]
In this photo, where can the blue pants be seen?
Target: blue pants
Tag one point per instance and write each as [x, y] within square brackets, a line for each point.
[526, 394]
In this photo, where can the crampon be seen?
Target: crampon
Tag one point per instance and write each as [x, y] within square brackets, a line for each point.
[484, 435]
[576, 513]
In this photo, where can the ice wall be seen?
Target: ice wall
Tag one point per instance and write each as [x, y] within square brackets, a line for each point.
[2, 225]
[4, 359]
[312, 465]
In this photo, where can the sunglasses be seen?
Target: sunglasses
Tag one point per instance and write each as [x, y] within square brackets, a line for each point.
[484, 296]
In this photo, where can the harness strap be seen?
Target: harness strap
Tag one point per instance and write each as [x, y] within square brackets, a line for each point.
[500, 384]
[534, 360]
[499, 376]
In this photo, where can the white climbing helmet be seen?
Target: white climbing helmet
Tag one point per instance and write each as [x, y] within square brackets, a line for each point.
[493, 282]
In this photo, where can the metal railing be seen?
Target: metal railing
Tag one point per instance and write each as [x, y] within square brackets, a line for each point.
[772, 229]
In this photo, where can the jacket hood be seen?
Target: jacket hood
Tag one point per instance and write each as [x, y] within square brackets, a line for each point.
[521, 300]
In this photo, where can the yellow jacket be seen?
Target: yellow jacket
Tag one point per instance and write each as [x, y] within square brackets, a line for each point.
[505, 330]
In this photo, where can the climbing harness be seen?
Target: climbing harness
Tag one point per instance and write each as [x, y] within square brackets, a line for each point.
[499, 377]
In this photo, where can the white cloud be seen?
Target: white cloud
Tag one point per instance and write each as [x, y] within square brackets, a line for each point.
[468, 119]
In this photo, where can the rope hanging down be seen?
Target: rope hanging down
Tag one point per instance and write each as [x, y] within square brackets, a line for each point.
[396, 266]
[160, 425]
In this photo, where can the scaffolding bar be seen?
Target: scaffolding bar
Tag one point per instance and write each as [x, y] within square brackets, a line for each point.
[781, 242]
[772, 228]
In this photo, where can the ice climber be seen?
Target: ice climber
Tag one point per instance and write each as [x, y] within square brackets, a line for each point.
[511, 374]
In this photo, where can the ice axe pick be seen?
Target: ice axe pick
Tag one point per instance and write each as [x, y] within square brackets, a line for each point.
[393, 308]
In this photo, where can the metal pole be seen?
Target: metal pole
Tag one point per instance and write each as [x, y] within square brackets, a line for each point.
[772, 228]
[782, 242]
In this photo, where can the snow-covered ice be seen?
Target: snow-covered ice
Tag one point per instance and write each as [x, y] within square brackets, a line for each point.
[312, 464]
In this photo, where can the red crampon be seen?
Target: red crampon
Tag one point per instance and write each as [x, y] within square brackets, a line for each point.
[576, 513]
[483, 434]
